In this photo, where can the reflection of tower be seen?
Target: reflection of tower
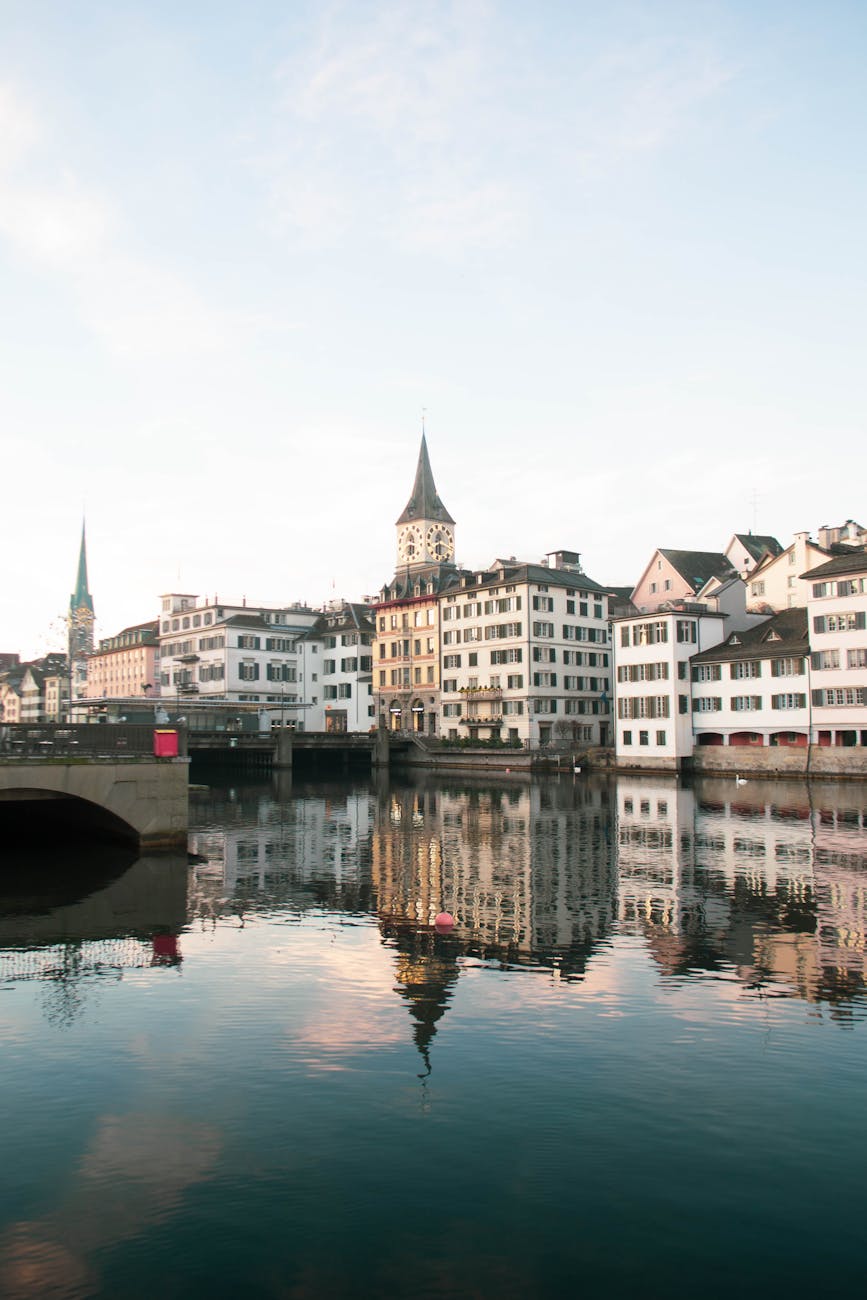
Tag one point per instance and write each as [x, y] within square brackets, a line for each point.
[427, 970]
[81, 620]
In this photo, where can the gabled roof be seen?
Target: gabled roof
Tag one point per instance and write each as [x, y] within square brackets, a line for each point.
[759, 545]
[853, 562]
[784, 633]
[695, 567]
[424, 503]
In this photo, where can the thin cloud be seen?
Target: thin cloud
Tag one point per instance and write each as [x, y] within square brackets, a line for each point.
[62, 226]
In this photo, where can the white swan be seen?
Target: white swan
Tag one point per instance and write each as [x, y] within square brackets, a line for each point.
[740, 780]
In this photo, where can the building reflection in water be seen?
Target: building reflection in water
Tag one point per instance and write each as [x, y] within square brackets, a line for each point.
[766, 880]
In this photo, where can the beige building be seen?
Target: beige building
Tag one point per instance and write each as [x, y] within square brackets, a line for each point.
[777, 583]
[125, 666]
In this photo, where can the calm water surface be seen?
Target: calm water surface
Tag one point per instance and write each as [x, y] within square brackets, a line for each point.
[636, 1065]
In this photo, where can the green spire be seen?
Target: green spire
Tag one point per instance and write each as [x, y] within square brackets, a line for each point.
[81, 597]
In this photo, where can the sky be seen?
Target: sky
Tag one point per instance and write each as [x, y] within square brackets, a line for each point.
[614, 255]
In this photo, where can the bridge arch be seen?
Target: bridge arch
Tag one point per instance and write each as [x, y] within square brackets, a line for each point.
[144, 802]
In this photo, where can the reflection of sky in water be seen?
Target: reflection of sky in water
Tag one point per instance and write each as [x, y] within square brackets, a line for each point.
[249, 1069]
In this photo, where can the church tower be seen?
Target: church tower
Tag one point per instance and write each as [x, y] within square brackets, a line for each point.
[80, 624]
[425, 530]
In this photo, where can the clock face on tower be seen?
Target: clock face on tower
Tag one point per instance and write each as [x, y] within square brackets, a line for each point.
[409, 544]
[440, 543]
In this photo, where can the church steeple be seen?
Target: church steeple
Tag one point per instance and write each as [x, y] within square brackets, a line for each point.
[81, 597]
[425, 530]
[80, 624]
[424, 502]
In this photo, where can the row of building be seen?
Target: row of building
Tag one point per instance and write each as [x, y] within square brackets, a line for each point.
[757, 645]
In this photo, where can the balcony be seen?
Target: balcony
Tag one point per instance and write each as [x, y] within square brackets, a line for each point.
[482, 692]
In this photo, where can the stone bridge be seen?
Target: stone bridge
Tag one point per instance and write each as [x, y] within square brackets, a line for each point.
[94, 779]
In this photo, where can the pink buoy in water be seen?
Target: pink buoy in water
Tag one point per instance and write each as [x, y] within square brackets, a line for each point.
[444, 921]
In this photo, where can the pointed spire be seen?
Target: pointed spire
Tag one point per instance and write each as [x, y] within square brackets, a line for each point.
[424, 503]
[81, 597]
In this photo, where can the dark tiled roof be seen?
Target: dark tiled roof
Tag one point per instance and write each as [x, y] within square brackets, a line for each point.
[852, 562]
[759, 545]
[424, 503]
[697, 566]
[759, 642]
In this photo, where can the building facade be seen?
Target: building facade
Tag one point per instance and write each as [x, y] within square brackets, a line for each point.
[126, 665]
[752, 690]
[343, 635]
[526, 655]
[212, 650]
[653, 698]
[837, 614]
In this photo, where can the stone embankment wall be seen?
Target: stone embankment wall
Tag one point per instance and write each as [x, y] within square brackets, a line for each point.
[783, 760]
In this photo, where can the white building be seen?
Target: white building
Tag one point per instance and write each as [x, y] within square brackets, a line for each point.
[212, 649]
[837, 611]
[653, 702]
[526, 654]
[753, 688]
[343, 636]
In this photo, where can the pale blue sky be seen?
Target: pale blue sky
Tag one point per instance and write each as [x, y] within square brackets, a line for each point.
[617, 251]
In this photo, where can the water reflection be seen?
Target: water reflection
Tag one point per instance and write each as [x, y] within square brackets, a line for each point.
[769, 882]
[765, 882]
[74, 916]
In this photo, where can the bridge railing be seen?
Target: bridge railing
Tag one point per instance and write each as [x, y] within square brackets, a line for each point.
[86, 740]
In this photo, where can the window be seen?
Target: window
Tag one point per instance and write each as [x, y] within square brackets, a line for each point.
[789, 701]
[627, 740]
[856, 658]
[570, 606]
[707, 704]
[706, 672]
[451, 710]
[683, 704]
[515, 681]
[849, 622]
[649, 634]
[450, 684]
[757, 589]
[686, 632]
[472, 659]
[660, 737]
[543, 629]
[544, 706]
[248, 672]
[512, 656]
[644, 738]
[745, 668]
[841, 695]
[248, 642]
[746, 703]
[451, 661]
[513, 707]
[790, 666]
[544, 654]
[544, 679]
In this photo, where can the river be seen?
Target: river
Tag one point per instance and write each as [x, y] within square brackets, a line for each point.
[630, 1059]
